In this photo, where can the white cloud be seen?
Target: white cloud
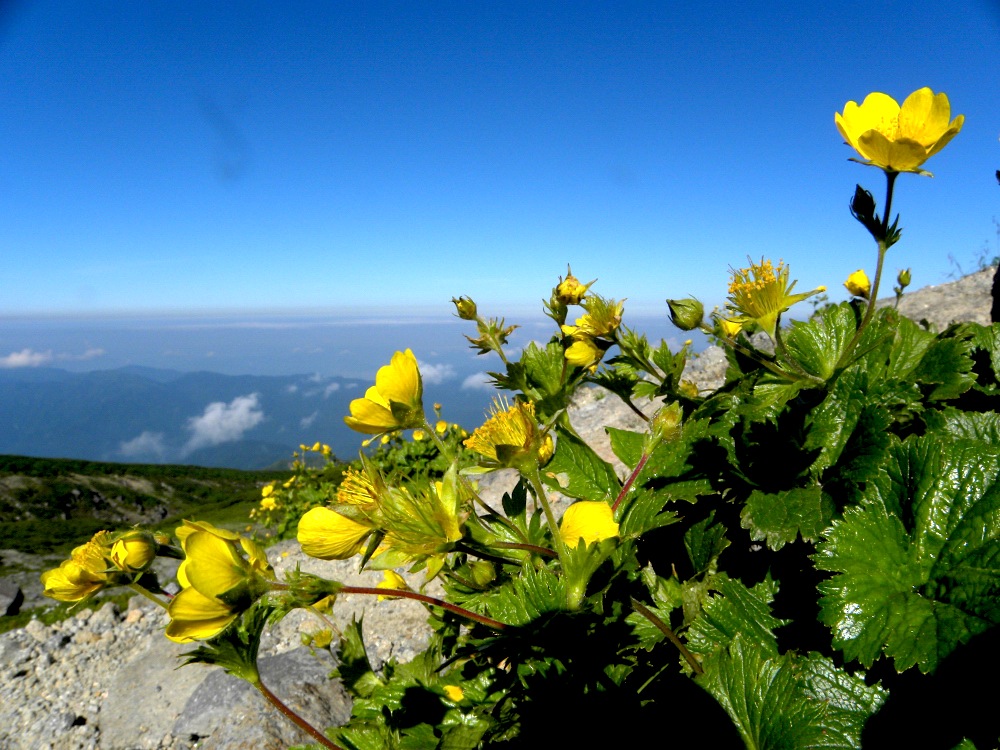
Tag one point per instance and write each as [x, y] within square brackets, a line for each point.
[306, 422]
[293, 388]
[91, 353]
[146, 444]
[479, 381]
[332, 388]
[224, 423]
[25, 358]
[436, 374]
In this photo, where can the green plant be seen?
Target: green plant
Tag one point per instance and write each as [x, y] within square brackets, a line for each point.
[776, 555]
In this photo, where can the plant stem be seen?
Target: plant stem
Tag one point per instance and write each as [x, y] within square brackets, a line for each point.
[671, 636]
[630, 481]
[535, 480]
[406, 594]
[289, 714]
[438, 441]
[147, 593]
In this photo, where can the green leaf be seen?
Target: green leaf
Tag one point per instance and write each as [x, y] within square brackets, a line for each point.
[526, 597]
[818, 344]
[788, 702]
[735, 610]
[627, 445]
[353, 667]
[704, 542]
[983, 426]
[918, 562]
[947, 367]
[587, 475]
[780, 517]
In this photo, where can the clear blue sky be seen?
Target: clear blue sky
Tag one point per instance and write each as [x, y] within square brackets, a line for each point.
[170, 156]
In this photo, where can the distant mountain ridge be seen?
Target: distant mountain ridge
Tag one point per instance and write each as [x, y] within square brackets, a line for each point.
[139, 414]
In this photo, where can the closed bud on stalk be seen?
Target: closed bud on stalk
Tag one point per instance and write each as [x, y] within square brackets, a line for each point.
[858, 284]
[134, 551]
[686, 314]
[904, 278]
[863, 209]
[570, 291]
[483, 572]
[465, 308]
[667, 424]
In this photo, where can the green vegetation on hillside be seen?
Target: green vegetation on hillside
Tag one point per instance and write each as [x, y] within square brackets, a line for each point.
[49, 505]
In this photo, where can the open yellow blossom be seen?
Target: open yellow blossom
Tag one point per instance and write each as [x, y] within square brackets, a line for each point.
[454, 693]
[588, 520]
[899, 138]
[328, 535]
[395, 402]
[602, 318]
[759, 294]
[858, 284]
[419, 436]
[85, 573]
[218, 581]
[441, 427]
[511, 436]
[268, 503]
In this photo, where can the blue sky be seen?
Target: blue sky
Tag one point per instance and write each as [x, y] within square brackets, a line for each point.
[189, 156]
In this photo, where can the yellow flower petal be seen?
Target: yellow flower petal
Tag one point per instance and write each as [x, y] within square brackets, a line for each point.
[858, 284]
[194, 616]
[327, 535]
[393, 581]
[214, 566]
[587, 520]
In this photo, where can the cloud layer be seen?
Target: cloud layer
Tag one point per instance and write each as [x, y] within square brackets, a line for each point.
[224, 423]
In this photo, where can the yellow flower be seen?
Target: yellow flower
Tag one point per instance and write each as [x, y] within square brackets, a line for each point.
[218, 581]
[316, 447]
[454, 693]
[393, 581]
[81, 576]
[730, 328]
[268, 503]
[441, 427]
[602, 318]
[360, 488]
[267, 490]
[511, 436]
[419, 436]
[898, 139]
[395, 402]
[588, 520]
[134, 551]
[584, 353]
[570, 291]
[759, 294]
[858, 285]
[328, 535]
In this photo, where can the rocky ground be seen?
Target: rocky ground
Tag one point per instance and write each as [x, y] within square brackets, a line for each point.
[109, 679]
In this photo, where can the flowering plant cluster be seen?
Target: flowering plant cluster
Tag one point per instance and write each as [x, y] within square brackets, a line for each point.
[776, 556]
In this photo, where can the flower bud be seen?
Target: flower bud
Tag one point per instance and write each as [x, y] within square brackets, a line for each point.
[858, 284]
[570, 291]
[465, 308]
[483, 572]
[686, 314]
[667, 423]
[134, 551]
[903, 279]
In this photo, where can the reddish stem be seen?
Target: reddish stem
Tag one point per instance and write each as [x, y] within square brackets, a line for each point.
[630, 481]
[406, 594]
[289, 714]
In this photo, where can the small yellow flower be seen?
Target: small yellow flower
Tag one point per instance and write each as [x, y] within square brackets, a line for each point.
[454, 693]
[898, 139]
[316, 447]
[393, 581]
[584, 353]
[81, 576]
[134, 551]
[218, 581]
[510, 436]
[441, 427]
[328, 535]
[730, 328]
[419, 436]
[760, 293]
[570, 291]
[395, 402]
[268, 503]
[602, 318]
[587, 520]
[858, 284]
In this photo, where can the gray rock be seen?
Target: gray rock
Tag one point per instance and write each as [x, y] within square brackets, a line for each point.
[225, 712]
[11, 597]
